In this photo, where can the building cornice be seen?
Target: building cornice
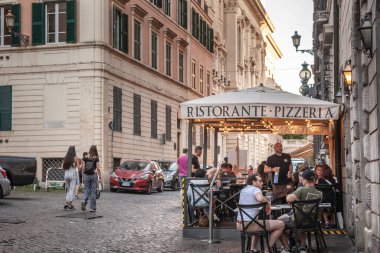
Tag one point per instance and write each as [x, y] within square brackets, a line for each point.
[169, 33]
[155, 23]
[137, 10]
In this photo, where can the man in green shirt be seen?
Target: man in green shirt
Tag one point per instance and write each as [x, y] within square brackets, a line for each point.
[307, 192]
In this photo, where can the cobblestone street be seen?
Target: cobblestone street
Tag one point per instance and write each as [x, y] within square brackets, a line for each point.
[131, 222]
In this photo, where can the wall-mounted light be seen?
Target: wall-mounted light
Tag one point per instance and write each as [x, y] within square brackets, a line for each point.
[366, 33]
[10, 21]
[296, 38]
[347, 74]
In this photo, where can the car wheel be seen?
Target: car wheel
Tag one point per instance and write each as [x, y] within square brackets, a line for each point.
[1, 192]
[113, 190]
[149, 190]
[175, 185]
[161, 187]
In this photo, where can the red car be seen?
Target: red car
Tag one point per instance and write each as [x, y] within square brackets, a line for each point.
[138, 175]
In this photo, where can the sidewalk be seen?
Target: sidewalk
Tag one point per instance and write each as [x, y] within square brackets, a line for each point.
[335, 244]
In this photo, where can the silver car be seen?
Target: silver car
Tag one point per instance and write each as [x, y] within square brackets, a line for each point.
[5, 184]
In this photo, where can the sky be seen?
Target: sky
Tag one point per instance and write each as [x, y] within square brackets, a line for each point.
[289, 16]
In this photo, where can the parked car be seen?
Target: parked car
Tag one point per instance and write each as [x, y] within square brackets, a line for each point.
[5, 184]
[171, 179]
[138, 175]
[20, 170]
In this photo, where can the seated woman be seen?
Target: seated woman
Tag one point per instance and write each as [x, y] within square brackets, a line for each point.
[326, 178]
[252, 194]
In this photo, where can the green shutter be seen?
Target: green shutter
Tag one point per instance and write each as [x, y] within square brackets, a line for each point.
[124, 33]
[71, 21]
[114, 25]
[16, 11]
[184, 13]
[38, 24]
[211, 40]
[5, 108]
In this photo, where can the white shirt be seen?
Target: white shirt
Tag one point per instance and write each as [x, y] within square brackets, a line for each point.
[247, 197]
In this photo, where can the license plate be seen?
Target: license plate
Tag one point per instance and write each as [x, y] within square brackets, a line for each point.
[126, 184]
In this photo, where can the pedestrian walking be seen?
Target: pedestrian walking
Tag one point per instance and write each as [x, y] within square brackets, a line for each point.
[182, 165]
[70, 164]
[91, 173]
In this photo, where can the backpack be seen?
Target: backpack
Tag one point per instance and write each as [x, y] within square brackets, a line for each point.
[89, 166]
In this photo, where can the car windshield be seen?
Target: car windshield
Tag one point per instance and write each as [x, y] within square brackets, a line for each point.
[134, 165]
[173, 167]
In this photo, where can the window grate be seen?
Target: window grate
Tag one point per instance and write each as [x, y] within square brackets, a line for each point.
[55, 163]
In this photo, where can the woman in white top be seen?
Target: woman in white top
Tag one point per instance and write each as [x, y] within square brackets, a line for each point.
[70, 164]
[250, 195]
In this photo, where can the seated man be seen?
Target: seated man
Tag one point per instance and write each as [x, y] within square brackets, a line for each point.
[252, 194]
[307, 192]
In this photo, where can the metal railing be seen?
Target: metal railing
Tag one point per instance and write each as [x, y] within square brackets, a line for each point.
[54, 178]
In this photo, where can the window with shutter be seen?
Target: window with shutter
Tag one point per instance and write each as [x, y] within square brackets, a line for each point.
[5, 108]
[168, 123]
[180, 66]
[194, 135]
[154, 50]
[201, 79]
[117, 109]
[38, 23]
[54, 22]
[182, 13]
[120, 30]
[168, 7]
[168, 59]
[137, 41]
[157, 3]
[153, 126]
[136, 114]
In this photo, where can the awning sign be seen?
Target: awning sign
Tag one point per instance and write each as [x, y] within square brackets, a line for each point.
[259, 111]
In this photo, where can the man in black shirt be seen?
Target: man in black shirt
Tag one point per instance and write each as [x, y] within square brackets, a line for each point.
[280, 165]
[196, 170]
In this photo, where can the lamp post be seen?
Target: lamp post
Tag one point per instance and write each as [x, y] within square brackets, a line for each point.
[305, 75]
[296, 38]
[366, 34]
[10, 21]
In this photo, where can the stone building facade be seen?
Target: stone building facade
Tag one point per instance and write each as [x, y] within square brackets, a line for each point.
[338, 44]
[251, 52]
[105, 72]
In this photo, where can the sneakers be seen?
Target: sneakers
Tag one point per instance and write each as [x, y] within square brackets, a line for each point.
[92, 210]
[327, 225]
[65, 206]
[284, 250]
[302, 250]
[83, 206]
[70, 208]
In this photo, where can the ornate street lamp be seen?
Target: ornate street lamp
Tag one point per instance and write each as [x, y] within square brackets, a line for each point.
[296, 38]
[347, 74]
[305, 75]
[10, 21]
[366, 34]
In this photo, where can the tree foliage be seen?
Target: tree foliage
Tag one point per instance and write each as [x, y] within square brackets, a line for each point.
[294, 136]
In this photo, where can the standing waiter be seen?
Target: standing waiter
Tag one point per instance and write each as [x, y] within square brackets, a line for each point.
[280, 165]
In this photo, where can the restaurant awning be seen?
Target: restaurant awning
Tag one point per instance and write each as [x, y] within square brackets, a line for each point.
[306, 152]
[262, 109]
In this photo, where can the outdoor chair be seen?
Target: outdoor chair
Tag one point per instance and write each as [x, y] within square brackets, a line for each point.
[247, 220]
[329, 198]
[306, 215]
[198, 199]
